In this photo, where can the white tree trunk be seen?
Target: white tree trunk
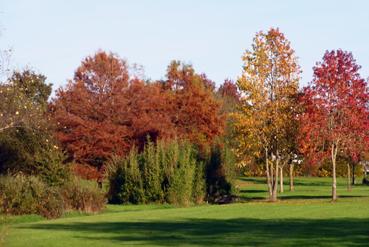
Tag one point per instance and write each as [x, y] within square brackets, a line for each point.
[281, 179]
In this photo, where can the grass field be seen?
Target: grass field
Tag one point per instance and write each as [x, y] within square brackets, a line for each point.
[305, 217]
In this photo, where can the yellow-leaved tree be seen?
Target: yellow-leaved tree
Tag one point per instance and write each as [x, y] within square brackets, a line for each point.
[266, 119]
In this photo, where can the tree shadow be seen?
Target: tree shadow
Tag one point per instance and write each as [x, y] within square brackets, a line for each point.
[249, 196]
[255, 180]
[306, 197]
[229, 232]
[251, 191]
[310, 183]
[297, 181]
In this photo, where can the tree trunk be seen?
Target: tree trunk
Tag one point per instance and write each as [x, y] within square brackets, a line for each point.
[353, 174]
[348, 177]
[292, 187]
[275, 176]
[334, 179]
[273, 197]
[269, 182]
[281, 179]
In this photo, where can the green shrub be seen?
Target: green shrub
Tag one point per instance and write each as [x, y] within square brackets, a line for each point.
[32, 152]
[168, 158]
[172, 172]
[167, 172]
[125, 181]
[22, 194]
[150, 166]
[199, 185]
[84, 197]
[52, 205]
[220, 174]
[182, 181]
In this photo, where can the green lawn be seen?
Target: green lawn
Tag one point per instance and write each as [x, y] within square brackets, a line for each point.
[305, 217]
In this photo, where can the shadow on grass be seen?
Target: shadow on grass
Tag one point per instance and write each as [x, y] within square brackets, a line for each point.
[297, 182]
[251, 191]
[310, 183]
[254, 195]
[306, 197]
[230, 232]
[258, 180]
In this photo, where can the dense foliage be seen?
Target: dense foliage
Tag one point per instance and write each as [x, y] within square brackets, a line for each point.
[269, 86]
[220, 174]
[105, 111]
[22, 194]
[165, 172]
[335, 119]
[27, 143]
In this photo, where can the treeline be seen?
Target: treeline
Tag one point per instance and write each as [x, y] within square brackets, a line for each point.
[181, 140]
[106, 111]
[111, 126]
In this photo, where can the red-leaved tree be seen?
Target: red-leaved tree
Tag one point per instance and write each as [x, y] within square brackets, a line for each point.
[91, 122]
[335, 110]
[195, 110]
[105, 111]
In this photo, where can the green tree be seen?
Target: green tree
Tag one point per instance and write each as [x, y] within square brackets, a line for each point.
[26, 138]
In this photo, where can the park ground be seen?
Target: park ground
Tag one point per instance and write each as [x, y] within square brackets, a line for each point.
[305, 217]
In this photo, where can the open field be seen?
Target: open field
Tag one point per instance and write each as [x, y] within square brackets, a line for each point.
[305, 217]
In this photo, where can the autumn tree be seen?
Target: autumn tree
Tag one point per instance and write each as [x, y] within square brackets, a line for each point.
[196, 112]
[356, 152]
[148, 113]
[268, 86]
[230, 97]
[105, 111]
[335, 110]
[90, 112]
[228, 91]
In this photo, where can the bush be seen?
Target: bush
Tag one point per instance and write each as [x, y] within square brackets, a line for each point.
[125, 180]
[220, 174]
[150, 166]
[22, 194]
[82, 196]
[182, 180]
[167, 172]
[32, 152]
[199, 184]
[172, 172]
[52, 205]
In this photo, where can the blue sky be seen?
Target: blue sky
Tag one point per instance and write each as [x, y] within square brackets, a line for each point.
[52, 37]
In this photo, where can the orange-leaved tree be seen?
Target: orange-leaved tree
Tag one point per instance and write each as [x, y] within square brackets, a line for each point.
[105, 111]
[269, 87]
[195, 110]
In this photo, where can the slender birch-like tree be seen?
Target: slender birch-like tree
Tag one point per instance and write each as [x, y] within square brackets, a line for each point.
[269, 87]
